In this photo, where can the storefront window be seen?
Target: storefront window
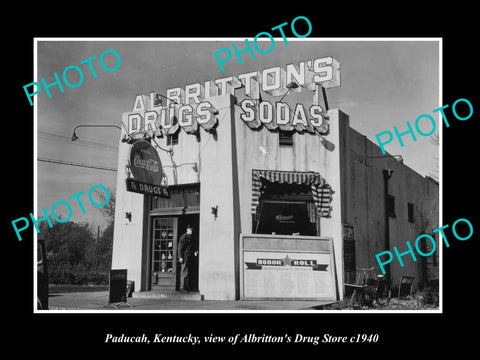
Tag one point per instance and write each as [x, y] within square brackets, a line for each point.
[286, 209]
[285, 218]
[163, 238]
[181, 196]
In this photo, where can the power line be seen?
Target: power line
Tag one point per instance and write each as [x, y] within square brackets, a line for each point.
[67, 140]
[90, 144]
[55, 161]
[83, 145]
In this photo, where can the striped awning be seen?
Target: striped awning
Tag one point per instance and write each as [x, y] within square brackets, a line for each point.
[321, 191]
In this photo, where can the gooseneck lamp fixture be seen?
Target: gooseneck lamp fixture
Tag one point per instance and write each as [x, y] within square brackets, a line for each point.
[75, 136]
[163, 96]
[290, 86]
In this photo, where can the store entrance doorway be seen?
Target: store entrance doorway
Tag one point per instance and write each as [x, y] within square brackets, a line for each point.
[166, 269]
[164, 249]
[183, 222]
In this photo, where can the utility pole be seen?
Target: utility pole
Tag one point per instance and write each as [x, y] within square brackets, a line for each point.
[387, 174]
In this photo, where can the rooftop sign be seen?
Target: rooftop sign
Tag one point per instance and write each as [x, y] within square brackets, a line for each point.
[189, 109]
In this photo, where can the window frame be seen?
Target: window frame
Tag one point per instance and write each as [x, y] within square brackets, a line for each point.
[172, 139]
[283, 135]
[411, 212]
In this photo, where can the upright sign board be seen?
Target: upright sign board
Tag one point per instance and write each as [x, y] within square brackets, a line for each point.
[118, 288]
[287, 267]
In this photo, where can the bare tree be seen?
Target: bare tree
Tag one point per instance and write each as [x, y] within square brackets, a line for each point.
[422, 220]
[422, 223]
[108, 211]
[435, 140]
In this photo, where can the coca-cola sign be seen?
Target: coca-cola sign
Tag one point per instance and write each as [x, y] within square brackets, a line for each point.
[145, 163]
[149, 164]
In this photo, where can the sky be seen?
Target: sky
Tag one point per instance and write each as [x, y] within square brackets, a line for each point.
[383, 84]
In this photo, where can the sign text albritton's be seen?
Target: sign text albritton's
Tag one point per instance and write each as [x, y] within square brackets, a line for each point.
[189, 108]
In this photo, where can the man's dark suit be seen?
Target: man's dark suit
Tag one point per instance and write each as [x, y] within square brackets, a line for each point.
[186, 251]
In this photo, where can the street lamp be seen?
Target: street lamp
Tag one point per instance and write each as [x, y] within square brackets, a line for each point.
[163, 96]
[290, 86]
[75, 137]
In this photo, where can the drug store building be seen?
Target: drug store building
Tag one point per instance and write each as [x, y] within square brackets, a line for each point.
[284, 200]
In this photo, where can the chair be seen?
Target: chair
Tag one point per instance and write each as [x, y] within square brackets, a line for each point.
[405, 286]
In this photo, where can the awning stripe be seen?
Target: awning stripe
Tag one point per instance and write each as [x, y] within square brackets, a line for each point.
[321, 191]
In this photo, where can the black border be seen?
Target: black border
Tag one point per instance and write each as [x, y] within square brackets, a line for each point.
[416, 333]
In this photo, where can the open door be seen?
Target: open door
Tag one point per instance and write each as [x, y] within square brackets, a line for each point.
[183, 221]
[164, 250]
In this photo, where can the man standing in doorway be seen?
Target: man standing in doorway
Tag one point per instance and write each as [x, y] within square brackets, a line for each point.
[186, 252]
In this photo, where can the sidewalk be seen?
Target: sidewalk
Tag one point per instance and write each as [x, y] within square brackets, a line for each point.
[97, 300]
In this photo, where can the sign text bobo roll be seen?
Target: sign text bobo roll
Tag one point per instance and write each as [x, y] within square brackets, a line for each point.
[273, 267]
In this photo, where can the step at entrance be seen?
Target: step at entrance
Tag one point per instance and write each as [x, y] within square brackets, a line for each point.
[168, 295]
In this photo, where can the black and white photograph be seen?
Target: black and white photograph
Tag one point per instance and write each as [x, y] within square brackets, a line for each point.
[283, 184]
[269, 186]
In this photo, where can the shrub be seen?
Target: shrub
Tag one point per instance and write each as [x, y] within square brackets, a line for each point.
[428, 296]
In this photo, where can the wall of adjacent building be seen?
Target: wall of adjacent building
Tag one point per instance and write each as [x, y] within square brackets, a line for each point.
[366, 208]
